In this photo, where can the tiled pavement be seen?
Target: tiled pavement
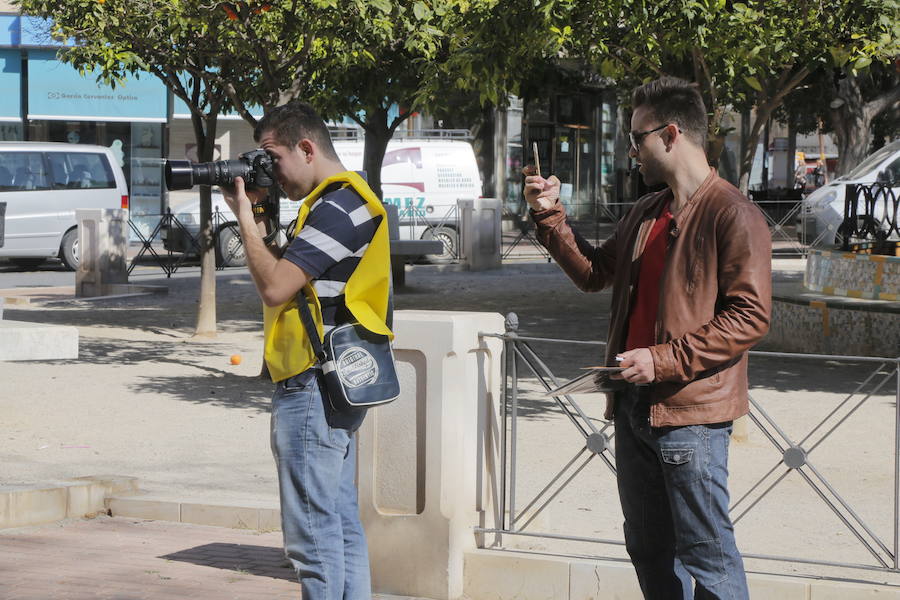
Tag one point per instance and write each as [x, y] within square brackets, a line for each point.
[131, 559]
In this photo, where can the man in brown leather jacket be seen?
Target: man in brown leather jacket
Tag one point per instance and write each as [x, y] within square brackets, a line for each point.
[690, 269]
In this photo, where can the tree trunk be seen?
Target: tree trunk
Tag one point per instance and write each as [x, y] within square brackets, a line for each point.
[206, 310]
[378, 134]
[748, 146]
[851, 124]
[791, 162]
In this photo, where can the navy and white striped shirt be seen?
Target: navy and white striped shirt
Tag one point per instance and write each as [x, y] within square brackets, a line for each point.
[330, 245]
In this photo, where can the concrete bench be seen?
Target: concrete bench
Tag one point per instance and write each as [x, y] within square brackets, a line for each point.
[403, 251]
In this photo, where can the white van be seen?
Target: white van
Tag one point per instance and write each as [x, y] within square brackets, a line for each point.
[42, 184]
[423, 178]
[823, 210]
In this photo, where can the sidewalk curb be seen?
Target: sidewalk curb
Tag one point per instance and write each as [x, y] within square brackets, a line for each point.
[22, 506]
[260, 518]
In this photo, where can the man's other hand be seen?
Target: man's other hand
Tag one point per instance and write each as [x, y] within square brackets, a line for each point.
[638, 366]
[540, 193]
[239, 199]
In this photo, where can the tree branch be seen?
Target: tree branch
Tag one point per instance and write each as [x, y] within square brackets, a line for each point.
[881, 103]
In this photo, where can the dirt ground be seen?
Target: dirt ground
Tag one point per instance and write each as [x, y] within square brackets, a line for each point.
[146, 399]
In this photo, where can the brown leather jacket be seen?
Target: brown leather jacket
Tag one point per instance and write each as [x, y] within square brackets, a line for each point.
[715, 295]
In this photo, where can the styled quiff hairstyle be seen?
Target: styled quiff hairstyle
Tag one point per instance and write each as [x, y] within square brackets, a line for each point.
[674, 100]
[293, 122]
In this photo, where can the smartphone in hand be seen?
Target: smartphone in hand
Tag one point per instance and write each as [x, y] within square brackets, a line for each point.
[537, 158]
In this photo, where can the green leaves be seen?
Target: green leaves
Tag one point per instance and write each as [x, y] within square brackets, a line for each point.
[753, 82]
[421, 11]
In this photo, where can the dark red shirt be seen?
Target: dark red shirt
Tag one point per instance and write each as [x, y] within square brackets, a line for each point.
[642, 321]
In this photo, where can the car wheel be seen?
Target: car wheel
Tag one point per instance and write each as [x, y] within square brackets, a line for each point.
[448, 237]
[27, 263]
[230, 247]
[68, 250]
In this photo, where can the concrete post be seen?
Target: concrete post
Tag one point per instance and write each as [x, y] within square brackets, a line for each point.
[2, 221]
[102, 246]
[421, 458]
[480, 233]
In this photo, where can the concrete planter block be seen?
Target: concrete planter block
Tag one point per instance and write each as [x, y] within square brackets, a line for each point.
[420, 459]
[768, 586]
[832, 590]
[610, 581]
[103, 244]
[85, 500]
[35, 341]
[22, 507]
[507, 576]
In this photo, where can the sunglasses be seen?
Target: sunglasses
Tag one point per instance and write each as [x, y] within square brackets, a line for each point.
[636, 137]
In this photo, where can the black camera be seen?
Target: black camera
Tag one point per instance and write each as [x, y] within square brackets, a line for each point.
[255, 167]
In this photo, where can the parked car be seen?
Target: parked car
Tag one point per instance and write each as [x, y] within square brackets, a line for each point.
[42, 184]
[822, 211]
[423, 178]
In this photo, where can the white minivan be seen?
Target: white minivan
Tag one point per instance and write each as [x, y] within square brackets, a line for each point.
[424, 178]
[823, 210]
[42, 183]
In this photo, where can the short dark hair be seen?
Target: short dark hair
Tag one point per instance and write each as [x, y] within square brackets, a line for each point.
[294, 121]
[674, 100]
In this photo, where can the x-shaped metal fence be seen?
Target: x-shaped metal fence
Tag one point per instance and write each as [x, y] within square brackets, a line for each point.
[598, 443]
[170, 261]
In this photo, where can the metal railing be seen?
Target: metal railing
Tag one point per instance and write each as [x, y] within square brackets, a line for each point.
[594, 441]
[870, 214]
[170, 260]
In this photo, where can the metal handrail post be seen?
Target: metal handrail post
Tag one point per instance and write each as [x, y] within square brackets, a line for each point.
[897, 470]
[504, 403]
[512, 435]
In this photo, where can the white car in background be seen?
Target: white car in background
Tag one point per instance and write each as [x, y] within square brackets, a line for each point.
[423, 178]
[822, 211]
[42, 184]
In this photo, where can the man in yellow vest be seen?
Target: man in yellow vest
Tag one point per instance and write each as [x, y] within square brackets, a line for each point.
[339, 257]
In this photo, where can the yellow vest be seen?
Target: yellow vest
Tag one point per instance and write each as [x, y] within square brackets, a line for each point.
[288, 350]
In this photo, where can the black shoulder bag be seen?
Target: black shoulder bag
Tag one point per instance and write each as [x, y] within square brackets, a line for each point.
[358, 365]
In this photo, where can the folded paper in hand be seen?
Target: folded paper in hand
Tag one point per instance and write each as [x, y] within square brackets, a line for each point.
[595, 380]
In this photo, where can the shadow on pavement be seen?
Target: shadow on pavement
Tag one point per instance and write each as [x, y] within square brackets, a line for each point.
[228, 390]
[263, 561]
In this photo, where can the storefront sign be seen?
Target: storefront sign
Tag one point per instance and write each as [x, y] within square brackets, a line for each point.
[10, 83]
[56, 91]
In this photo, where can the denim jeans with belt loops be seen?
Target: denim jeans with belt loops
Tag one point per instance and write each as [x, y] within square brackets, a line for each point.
[673, 485]
[315, 455]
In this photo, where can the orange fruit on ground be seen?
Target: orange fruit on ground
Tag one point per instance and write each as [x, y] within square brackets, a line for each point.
[235, 359]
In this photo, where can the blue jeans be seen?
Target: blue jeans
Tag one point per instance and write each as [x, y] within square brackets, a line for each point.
[316, 460]
[673, 485]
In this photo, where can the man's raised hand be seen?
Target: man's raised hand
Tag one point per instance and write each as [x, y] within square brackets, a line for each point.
[540, 193]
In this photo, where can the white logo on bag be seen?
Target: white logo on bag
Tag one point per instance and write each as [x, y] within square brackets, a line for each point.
[357, 367]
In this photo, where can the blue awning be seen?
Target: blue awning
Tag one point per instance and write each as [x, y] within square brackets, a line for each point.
[56, 91]
[11, 84]
[10, 30]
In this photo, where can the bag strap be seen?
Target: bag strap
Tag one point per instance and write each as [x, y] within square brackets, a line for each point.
[310, 325]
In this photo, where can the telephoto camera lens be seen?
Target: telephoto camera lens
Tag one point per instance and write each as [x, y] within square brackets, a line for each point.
[183, 174]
